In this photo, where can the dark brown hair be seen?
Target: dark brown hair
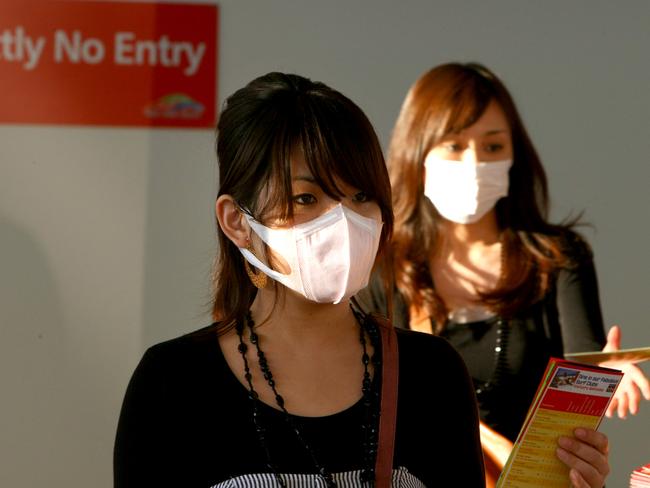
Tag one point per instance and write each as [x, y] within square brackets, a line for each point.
[448, 99]
[259, 128]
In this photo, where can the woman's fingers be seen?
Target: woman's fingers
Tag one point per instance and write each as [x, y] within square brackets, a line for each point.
[639, 379]
[633, 398]
[612, 408]
[633, 384]
[628, 394]
[577, 481]
[586, 454]
[588, 472]
[613, 339]
[623, 403]
[595, 439]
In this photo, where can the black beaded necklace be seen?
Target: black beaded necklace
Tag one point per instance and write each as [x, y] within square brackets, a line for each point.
[485, 389]
[369, 399]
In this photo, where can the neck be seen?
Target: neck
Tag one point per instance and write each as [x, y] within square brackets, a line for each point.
[485, 232]
[296, 319]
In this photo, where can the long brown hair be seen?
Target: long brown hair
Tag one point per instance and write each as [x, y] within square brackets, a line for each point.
[259, 128]
[448, 99]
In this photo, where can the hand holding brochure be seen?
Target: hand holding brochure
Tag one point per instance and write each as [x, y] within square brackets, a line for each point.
[570, 395]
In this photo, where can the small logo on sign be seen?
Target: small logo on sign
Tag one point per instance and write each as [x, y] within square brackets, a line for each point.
[174, 106]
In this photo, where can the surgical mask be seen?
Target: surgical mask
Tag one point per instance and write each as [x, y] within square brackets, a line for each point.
[464, 191]
[330, 257]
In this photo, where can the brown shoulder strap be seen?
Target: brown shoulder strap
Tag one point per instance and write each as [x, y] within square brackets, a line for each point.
[388, 409]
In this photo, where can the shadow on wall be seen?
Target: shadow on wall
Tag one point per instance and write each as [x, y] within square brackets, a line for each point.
[32, 366]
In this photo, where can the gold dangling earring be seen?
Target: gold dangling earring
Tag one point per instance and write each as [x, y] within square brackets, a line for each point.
[258, 279]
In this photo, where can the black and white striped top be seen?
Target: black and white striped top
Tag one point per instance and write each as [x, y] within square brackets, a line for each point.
[351, 479]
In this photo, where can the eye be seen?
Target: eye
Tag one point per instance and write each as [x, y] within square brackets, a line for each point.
[304, 199]
[493, 148]
[452, 147]
[361, 197]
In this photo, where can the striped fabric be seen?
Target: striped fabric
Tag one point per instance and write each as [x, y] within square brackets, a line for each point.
[350, 479]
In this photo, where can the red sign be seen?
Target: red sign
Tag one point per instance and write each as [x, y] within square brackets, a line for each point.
[108, 63]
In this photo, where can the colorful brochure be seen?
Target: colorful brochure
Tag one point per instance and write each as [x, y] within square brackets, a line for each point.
[570, 395]
[636, 355]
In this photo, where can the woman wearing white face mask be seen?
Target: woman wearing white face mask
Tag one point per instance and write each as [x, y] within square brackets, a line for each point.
[286, 387]
[475, 260]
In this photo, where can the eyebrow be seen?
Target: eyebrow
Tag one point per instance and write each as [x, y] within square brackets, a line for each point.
[308, 178]
[486, 133]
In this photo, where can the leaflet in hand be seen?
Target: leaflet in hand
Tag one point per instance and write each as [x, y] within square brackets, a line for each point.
[570, 395]
[636, 355]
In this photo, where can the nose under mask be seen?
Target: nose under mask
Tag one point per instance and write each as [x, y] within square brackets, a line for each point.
[330, 257]
[464, 191]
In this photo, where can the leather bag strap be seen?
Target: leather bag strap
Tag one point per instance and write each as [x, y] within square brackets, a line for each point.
[388, 408]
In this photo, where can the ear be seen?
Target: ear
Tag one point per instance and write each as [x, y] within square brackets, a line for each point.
[232, 221]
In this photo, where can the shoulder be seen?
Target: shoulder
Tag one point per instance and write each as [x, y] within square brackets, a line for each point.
[575, 247]
[567, 248]
[187, 342]
[412, 341]
[433, 376]
[181, 372]
[187, 345]
[182, 356]
[422, 352]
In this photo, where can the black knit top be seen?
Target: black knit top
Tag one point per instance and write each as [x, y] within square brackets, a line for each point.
[187, 422]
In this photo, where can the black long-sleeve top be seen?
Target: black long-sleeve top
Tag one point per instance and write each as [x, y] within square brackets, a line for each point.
[186, 421]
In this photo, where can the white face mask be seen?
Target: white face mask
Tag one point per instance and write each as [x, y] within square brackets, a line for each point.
[330, 257]
[464, 191]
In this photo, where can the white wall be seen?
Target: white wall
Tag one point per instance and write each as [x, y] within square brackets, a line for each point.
[106, 235]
